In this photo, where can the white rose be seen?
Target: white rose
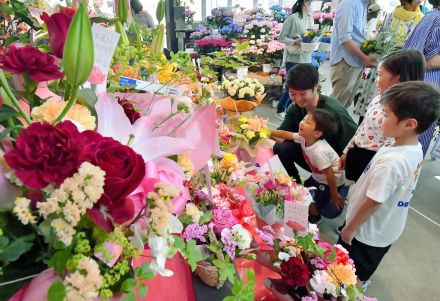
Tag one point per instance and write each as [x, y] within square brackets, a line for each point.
[241, 236]
[253, 36]
[240, 96]
[232, 91]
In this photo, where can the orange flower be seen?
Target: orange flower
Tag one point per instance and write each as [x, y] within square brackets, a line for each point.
[341, 273]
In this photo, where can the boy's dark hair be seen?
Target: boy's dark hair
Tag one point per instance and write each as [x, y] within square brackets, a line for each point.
[409, 64]
[415, 99]
[325, 122]
[302, 77]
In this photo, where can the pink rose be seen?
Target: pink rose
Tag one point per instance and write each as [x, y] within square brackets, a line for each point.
[222, 218]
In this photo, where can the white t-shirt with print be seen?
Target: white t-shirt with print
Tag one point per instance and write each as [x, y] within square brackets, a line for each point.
[369, 133]
[320, 156]
[390, 179]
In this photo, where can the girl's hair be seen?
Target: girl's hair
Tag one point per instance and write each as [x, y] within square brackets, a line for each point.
[409, 64]
[298, 7]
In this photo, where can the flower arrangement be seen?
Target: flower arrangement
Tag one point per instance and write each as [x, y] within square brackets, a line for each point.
[312, 269]
[231, 31]
[220, 17]
[279, 14]
[258, 31]
[243, 89]
[269, 192]
[188, 15]
[228, 170]
[326, 37]
[309, 36]
[252, 128]
[211, 44]
[200, 33]
[274, 51]
[385, 42]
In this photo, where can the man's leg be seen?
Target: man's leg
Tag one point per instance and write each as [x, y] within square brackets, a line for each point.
[290, 153]
[344, 78]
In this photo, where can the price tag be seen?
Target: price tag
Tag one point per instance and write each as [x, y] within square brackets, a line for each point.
[150, 87]
[296, 217]
[242, 72]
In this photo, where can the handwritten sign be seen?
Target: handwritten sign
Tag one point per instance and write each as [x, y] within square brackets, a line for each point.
[274, 165]
[150, 87]
[104, 44]
[296, 217]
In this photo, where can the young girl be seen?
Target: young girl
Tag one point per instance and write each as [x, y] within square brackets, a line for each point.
[397, 67]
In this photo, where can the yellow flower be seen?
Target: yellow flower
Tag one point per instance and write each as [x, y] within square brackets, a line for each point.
[341, 273]
[244, 126]
[166, 73]
[243, 118]
[50, 110]
[229, 160]
[283, 179]
[184, 161]
[250, 134]
[263, 134]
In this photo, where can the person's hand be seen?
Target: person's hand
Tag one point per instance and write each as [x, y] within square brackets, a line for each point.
[369, 61]
[347, 234]
[342, 160]
[297, 42]
[339, 201]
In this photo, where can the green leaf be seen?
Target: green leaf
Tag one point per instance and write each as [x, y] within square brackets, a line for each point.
[59, 261]
[88, 98]
[56, 292]
[143, 289]
[206, 217]
[13, 251]
[231, 298]
[3, 242]
[185, 219]
[144, 272]
[78, 56]
[7, 112]
[353, 293]
[128, 285]
[129, 297]
[179, 243]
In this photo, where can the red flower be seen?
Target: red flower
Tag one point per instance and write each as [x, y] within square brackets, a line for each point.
[129, 109]
[46, 154]
[124, 171]
[295, 272]
[57, 26]
[38, 65]
[342, 256]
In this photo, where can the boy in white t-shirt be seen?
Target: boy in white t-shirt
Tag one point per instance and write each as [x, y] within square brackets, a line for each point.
[323, 162]
[380, 199]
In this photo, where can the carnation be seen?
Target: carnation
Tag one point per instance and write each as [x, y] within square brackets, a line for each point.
[295, 272]
[322, 283]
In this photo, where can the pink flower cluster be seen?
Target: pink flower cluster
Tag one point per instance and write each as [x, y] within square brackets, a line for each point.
[207, 41]
[274, 46]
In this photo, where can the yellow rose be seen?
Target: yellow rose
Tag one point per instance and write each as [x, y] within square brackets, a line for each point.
[229, 160]
[50, 110]
[283, 179]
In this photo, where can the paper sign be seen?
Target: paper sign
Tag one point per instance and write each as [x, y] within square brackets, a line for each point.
[296, 217]
[274, 165]
[242, 72]
[436, 149]
[150, 87]
[104, 44]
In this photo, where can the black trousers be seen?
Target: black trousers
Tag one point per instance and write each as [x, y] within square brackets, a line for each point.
[366, 258]
[357, 159]
[290, 153]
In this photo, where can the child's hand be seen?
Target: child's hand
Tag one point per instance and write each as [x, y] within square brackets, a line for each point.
[342, 161]
[347, 234]
[339, 201]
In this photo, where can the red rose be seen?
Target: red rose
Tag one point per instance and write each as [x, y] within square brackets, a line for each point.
[57, 25]
[38, 65]
[295, 272]
[46, 154]
[124, 171]
[129, 109]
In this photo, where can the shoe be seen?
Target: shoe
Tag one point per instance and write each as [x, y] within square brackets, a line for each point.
[365, 285]
[274, 103]
[315, 219]
[281, 116]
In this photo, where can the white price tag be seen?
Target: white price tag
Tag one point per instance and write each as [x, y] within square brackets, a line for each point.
[150, 87]
[296, 217]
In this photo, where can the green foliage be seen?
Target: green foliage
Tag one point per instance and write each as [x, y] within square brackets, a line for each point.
[57, 292]
[59, 260]
[243, 291]
[128, 285]
[160, 11]
[226, 269]
[206, 218]
[189, 251]
[354, 293]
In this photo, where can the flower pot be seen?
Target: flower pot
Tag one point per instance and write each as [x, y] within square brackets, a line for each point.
[266, 68]
[209, 274]
[309, 47]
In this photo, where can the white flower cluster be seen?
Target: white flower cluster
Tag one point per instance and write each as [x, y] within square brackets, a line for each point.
[246, 88]
[238, 234]
[72, 199]
[192, 211]
[85, 282]
[161, 206]
[23, 211]
[322, 283]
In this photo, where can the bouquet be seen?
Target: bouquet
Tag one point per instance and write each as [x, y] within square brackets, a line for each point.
[269, 192]
[228, 170]
[188, 15]
[326, 37]
[309, 36]
[386, 41]
[312, 269]
[243, 94]
[253, 129]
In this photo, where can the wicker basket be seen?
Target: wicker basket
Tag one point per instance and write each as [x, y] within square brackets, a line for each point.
[209, 274]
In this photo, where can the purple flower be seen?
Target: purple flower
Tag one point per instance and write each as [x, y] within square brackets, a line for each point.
[265, 236]
[319, 263]
[195, 231]
[312, 297]
[229, 244]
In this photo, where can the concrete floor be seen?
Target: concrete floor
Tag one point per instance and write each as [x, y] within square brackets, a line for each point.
[411, 270]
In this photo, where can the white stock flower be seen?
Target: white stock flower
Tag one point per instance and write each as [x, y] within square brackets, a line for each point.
[283, 256]
[23, 212]
[321, 283]
[241, 236]
[63, 230]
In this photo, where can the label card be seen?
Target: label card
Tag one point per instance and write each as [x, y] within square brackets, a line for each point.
[296, 217]
[150, 87]
[104, 44]
[436, 149]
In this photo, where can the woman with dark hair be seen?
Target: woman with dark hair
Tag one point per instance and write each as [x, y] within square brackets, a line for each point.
[141, 16]
[295, 25]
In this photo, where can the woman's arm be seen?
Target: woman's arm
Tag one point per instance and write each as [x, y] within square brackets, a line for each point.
[433, 62]
[284, 36]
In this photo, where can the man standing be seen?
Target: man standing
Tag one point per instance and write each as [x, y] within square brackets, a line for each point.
[346, 57]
